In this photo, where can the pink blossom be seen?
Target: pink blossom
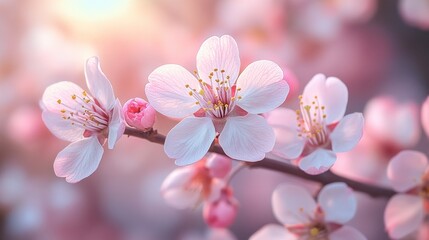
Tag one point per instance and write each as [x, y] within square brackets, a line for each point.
[188, 186]
[318, 130]
[303, 218]
[221, 212]
[415, 12]
[408, 173]
[139, 114]
[85, 119]
[425, 116]
[217, 102]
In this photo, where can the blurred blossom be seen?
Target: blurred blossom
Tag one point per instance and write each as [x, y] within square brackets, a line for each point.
[221, 101]
[87, 121]
[408, 172]
[25, 124]
[139, 114]
[303, 218]
[319, 130]
[415, 12]
[425, 116]
[221, 212]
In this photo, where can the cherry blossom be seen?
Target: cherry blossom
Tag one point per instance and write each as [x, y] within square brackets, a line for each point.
[218, 103]
[303, 218]
[188, 186]
[318, 130]
[408, 173]
[85, 119]
[139, 114]
[221, 212]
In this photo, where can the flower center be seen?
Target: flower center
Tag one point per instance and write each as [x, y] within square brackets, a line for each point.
[311, 122]
[85, 113]
[218, 98]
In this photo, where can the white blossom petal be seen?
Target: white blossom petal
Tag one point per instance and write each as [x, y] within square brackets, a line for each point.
[346, 232]
[318, 161]
[116, 125]
[61, 128]
[99, 86]
[261, 87]
[79, 159]
[347, 133]
[177, 190]
[273, 232]
[247, 138]
[59, 95]
[338, 202]
[220, 53]
[190, 140]
[167, 91]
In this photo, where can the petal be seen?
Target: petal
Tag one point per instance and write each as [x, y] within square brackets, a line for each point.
[406, 169]
[403, 215]
[99, 86]
[262, 87]
[220, 53]
[116, 125]
[338, 202]
[293, 204]
[176, 191]
[167, 91]
[59, 95]
[60, 128]
[190, 140]
[273, 232]
[331, 92]
[425, 116]
[347, 133]
[346, 232]
[318, 161]
[247, 138]
[288, 144]
[79, 159]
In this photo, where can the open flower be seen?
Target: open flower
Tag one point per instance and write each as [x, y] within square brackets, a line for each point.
[408, 173]
[85, 119]
[303, 218]
[318, 130]
[218, 102]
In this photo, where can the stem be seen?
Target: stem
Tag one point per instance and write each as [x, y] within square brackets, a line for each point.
[271, 164]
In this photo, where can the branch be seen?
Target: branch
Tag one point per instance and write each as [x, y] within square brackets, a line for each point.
[271, 164]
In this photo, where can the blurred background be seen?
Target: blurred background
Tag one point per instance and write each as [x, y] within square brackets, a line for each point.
[377, 47]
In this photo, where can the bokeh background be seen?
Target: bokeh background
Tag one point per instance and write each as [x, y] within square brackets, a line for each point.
[376, 47]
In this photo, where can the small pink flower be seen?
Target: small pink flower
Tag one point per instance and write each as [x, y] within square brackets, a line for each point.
[415, 12]
[221, 212]
[408, 173]
[139, 114]
[425, 116]
[303, 218]
[318, 130]
[85, 119]
[186, 187]
[217, 102]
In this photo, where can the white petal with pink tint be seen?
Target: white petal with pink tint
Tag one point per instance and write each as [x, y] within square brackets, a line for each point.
[288, 144]
[293, 204]
[167, 92]
[247, 138]
[406, 169]
[262, 87]
[60, 92]
[338, 202]
[61, 128]
[331, 93]
[99, 86]
[221, 53]
[403, 215]
[177, 190]
[79, 159]
[425, 116]
[273, 232]
[346, 232]
[347, 133]
[190, 140]
[116, 125]
[318, 161]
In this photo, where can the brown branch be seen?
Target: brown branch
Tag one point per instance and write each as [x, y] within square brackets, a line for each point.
[271, 164]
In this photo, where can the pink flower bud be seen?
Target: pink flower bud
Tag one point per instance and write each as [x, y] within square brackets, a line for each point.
[218, 165]
[221, 213]
[139, 114]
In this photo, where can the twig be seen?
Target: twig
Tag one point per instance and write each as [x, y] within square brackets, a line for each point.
[271, 164]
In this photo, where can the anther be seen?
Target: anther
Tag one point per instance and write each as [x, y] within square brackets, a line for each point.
[59, 101]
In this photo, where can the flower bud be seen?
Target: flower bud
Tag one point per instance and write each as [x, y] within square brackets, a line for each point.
[139, 114]
[218, 165]
[221, 213]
